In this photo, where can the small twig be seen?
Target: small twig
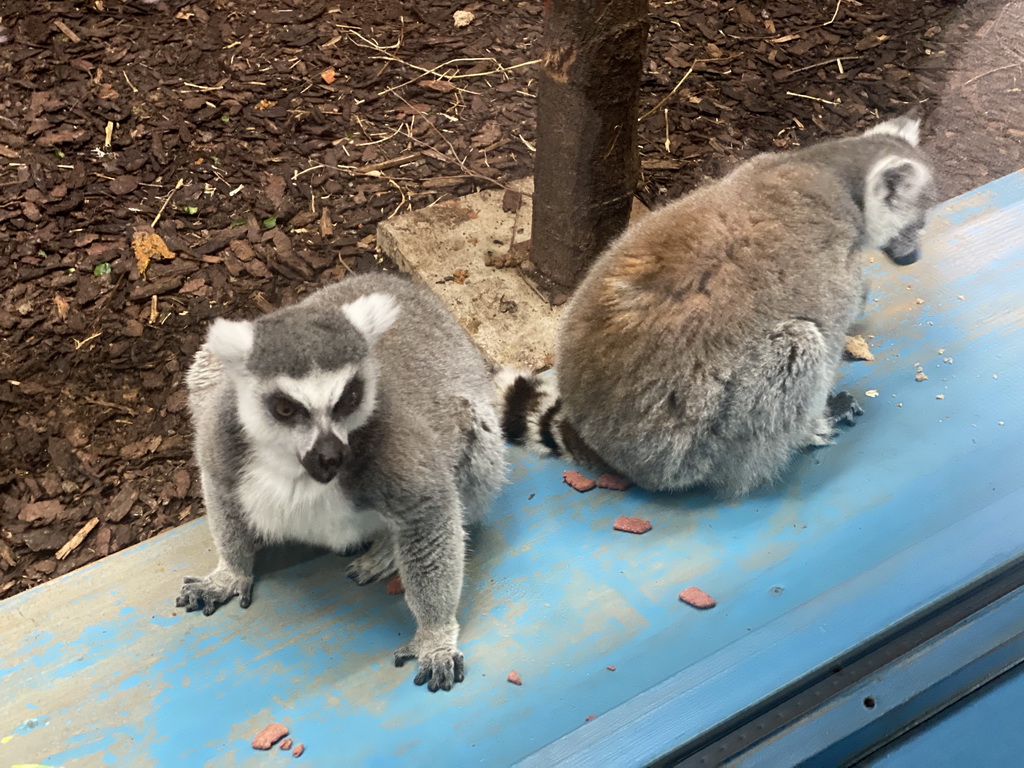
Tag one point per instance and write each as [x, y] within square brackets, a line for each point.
[535, 288]
[104, 403]
[321, 166]
[824, 63]
[401, 202]
[179, 185]
[992, 71]
[219, 87]
[345, 265]
[798, 31]
[838, 3]
[424, 72]
[67, 31]
[393, 162]
[359, 122]
[671, 93]
[373, 43]
[812, 98]
[432, 152]
[500, 71]
[79, 344]
[77, 539]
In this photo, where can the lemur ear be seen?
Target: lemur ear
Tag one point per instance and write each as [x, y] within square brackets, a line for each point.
[372, 314]
[896, 182]
[230, 341]
[906, 127]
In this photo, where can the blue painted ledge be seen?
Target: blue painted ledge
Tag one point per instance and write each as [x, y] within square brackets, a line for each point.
[910, 508]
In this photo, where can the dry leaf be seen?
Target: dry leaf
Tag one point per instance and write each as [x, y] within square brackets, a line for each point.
[147, 246]
[328, 75]
[463, 18]
[326, 225]
[460, 276]
[441, 86]
[62, 306]
[108, 92]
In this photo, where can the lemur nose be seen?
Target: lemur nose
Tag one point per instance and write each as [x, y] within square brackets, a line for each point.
[326, 457]
[904, 259]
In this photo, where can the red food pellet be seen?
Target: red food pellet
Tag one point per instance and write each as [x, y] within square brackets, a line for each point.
[632, 525]
[614, 482]
[299, 749]
[577, 481]
[698, 598]
[286, 745]
[269, 736]
[395, 586]
[590, 717]
[513, 677]
[610, 668]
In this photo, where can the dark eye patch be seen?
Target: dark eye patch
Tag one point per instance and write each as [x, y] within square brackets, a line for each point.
[285, 409]
[349, 400]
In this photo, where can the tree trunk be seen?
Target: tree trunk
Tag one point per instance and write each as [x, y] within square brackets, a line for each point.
[587, 165]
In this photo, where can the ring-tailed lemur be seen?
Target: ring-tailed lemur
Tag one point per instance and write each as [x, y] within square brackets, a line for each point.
[363, 413]
[701, 348]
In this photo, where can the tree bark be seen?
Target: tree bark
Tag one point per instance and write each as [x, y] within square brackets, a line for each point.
[587, 165]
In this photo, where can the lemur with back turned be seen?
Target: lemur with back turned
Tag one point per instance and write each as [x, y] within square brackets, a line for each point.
[702, 346]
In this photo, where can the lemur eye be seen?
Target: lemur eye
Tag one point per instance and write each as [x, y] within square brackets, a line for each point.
[350, 399]
[284, 409]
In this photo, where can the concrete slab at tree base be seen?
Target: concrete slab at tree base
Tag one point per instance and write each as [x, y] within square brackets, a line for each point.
[508, 319]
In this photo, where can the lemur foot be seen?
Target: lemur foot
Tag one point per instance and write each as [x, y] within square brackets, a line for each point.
[208, 592]
[821, 433]
[440, 668]
[842, 408]
[376, 564]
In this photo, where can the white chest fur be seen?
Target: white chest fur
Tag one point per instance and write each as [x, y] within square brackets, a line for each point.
[283, 507]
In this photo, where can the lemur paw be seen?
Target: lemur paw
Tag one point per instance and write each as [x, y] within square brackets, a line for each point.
[841, 407]
[211, 591]
[376, 564]
[440, 668]
[821, 433]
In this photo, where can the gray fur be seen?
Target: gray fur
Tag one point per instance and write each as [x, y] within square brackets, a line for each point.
[702, 346]
[293, 341]
[424, 452]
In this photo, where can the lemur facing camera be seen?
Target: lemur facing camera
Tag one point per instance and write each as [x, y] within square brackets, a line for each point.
[364, 413]
[702, 346]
